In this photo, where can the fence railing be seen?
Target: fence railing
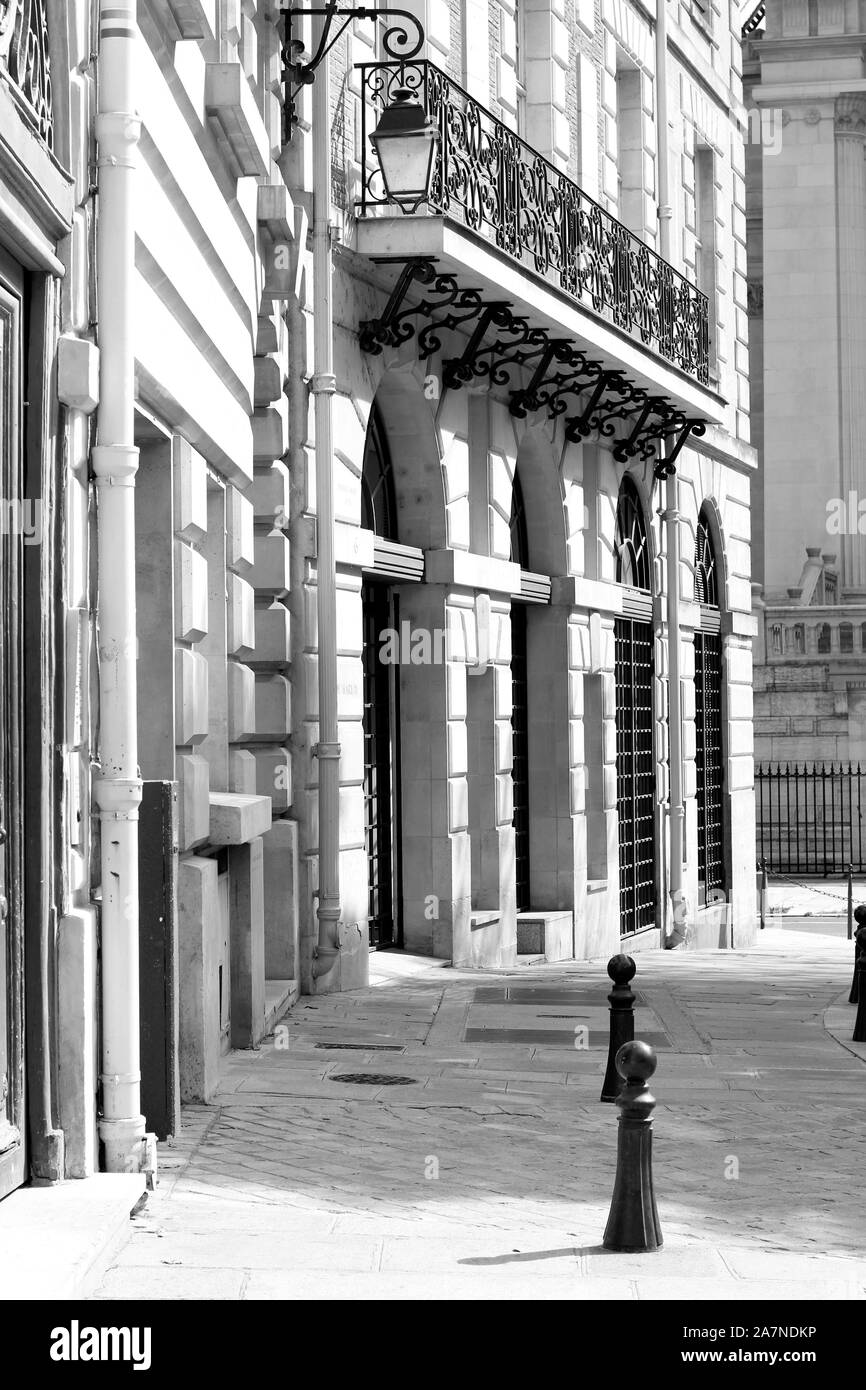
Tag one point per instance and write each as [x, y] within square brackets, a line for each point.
[810, 817]
[504, 191]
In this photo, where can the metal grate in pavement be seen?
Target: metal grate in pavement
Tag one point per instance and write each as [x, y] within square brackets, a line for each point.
[370, 1078]
[359, 1047]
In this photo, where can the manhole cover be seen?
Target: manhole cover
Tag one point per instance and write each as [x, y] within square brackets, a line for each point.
[371, 1078]
[359, 1047]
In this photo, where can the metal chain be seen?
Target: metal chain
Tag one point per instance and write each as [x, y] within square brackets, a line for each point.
[808, 886]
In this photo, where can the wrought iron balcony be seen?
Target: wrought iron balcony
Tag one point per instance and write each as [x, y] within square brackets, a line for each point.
[24, 61]
[500, 189]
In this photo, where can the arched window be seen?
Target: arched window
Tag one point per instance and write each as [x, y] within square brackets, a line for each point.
[378, 502]
[706, 576]
[630, 545]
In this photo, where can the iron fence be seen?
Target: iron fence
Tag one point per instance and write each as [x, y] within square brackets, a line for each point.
[810, 817]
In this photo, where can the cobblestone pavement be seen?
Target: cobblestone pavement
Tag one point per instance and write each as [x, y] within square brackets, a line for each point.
[490, 1175]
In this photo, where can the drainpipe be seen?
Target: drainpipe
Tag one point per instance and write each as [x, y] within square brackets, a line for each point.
[671, 518]
[323, 386]
[677, 811]
[665, 211]
[117, 786]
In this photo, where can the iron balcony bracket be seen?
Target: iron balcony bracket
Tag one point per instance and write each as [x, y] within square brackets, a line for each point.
[551, 392]
[395, 325]
[447, 308]
[460, 371]
[558, 370]
[505, 355]
[665, 467]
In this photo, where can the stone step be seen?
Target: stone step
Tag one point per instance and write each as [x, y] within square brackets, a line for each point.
[57, 1242]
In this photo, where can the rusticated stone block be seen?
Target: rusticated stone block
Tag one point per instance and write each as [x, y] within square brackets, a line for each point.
[242, 702]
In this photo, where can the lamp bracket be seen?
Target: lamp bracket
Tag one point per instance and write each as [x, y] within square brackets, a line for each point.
[403, 40]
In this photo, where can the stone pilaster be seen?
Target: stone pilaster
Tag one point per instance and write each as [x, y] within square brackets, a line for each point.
[851, 224]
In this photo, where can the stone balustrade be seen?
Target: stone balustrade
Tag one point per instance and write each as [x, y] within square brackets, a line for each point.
[816, 634]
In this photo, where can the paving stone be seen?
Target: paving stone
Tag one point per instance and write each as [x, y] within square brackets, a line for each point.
[496, 1167]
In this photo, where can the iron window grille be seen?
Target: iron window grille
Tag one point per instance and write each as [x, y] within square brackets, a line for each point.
[635, 753]
[381, 720]
[709, 725]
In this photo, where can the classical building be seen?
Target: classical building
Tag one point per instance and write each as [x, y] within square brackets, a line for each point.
[519, 339]
[380, 550]
[805, 73]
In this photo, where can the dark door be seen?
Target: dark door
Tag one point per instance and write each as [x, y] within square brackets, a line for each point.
[520, 754]
[381, 767]
[635, 775]
[13, 1155]
[709, 769]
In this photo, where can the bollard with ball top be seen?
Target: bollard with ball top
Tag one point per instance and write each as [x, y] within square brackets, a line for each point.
[859, 1034]
[633, 1223]
[859, 946]
[621, 970]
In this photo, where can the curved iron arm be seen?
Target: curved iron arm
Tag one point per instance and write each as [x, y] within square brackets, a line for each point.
[398, 41]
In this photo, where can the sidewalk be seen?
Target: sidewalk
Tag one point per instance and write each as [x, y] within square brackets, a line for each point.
[479, 1162]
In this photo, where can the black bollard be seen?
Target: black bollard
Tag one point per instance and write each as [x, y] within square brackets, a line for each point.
[633, 1223]
[859, 1034]
[850, 902]
[621, 970]
[859, 946]
[764, 893]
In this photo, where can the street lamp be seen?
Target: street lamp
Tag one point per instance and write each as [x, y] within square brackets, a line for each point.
[405, 141]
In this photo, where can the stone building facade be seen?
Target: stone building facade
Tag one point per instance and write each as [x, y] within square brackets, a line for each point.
[805, 74]
[539, 406]
[494, 812]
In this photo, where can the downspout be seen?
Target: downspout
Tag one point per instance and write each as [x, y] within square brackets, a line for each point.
[117, 786]
[324, 385]
[671, 517]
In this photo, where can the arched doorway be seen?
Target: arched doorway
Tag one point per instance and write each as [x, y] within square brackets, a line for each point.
[520, 706]
[635, 757]
[709, 753]
[381, 702]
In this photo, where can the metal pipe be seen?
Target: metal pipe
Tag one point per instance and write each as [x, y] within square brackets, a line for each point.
[324, 384]
[677, 811]
[117, 785]
[665, 211]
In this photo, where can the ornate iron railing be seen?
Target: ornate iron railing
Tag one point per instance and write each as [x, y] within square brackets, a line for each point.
[504, 191]
[24, 60]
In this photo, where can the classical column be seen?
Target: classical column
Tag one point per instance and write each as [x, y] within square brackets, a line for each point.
[851, 228]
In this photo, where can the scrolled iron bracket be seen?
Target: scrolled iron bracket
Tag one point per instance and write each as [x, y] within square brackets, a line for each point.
[447, 307]
[402, 41]
[685, 428]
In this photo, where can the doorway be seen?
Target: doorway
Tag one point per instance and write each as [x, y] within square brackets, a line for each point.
[13, 1143]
